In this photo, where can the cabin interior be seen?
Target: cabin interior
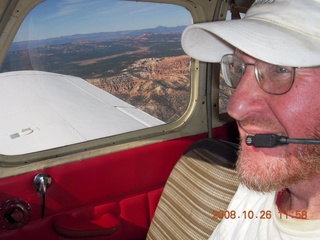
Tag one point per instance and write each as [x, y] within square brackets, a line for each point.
[164, 178]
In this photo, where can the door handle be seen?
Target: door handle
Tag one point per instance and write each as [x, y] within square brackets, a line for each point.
[41, 182]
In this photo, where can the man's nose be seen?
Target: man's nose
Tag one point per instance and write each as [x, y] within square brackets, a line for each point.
[248, 98]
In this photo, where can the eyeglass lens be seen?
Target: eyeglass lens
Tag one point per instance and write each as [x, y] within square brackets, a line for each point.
[273, 79]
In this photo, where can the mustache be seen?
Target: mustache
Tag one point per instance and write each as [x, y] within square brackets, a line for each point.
[267, 123]
[264, 123]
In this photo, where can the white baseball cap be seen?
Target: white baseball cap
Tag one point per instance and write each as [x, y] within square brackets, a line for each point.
[282, 32]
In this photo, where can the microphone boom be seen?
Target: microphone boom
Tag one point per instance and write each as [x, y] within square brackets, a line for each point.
[273, 140]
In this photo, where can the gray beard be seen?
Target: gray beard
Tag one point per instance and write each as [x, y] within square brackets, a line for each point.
[279, 172]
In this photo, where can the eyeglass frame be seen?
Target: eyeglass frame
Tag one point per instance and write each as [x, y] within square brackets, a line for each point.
[256, 72]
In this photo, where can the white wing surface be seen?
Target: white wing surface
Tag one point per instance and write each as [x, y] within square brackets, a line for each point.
[41, 110]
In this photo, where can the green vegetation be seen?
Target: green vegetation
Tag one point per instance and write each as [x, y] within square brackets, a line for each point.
[94, 59]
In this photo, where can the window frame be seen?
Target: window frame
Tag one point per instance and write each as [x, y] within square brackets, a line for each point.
[97, 147]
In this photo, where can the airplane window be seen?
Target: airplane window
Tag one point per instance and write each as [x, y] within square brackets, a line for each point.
[79, 70]
[225, 93]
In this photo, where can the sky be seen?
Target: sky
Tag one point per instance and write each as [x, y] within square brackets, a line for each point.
[55, 18]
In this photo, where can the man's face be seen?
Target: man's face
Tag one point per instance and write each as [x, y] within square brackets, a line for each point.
[295, 114]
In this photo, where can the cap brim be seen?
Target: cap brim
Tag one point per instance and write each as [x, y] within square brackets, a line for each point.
[208, 42]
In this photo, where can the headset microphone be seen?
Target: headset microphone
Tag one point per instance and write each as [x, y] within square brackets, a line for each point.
[273, 140]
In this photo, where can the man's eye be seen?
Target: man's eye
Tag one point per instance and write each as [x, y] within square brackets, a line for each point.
[281, 69]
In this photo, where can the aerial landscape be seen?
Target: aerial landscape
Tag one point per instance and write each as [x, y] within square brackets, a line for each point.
[146, 68]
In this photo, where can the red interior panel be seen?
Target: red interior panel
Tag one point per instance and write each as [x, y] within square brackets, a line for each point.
[113, 195]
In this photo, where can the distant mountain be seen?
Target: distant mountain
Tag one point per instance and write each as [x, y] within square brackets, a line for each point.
[97, 37]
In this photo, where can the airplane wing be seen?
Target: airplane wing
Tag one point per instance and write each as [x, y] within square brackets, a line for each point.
[46, 110]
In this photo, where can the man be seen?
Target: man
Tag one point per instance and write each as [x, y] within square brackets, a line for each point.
[272, 58]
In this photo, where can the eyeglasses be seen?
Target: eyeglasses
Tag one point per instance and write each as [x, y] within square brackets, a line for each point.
[273, 79]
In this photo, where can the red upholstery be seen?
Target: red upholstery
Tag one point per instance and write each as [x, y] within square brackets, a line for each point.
[121, 188]
[75, 227]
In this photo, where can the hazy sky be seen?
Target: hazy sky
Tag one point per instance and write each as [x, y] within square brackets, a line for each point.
[55, 18]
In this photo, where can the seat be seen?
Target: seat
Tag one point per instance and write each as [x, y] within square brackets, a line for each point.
[203, 180]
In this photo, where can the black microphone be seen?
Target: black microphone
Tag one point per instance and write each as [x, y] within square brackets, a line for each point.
[273, 140]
